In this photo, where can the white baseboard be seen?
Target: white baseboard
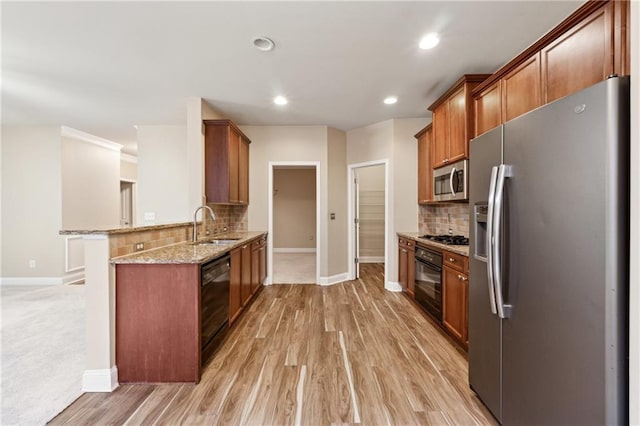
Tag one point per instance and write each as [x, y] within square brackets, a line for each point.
[334, 279]
[105, 380]
[294, 250]
[31, 281]
[392, 286]
[73, 278]
[371, 259]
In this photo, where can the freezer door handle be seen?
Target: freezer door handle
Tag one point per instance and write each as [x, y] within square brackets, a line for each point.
[505, 171]
[492, 192]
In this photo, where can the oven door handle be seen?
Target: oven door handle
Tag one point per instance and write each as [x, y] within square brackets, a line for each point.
[453, 172]
[429, 265]
[489, 248]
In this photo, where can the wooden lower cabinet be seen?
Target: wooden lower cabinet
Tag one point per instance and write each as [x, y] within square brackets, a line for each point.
[455, 303]
[248, 273]
[406, 265]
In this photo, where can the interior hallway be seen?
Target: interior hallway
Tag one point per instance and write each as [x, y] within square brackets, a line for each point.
[294, 268]
[347, 353]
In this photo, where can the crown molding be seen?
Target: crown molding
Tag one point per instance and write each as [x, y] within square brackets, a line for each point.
[128, 158]
[86, 137]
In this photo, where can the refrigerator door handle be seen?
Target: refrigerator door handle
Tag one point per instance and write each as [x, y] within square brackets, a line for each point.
[490, 201]
[504, 311]
[453, 171]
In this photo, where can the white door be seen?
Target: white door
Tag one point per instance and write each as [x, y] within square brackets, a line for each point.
[356, 220]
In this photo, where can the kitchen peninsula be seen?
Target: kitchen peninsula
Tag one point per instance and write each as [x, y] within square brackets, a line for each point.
[101, 251]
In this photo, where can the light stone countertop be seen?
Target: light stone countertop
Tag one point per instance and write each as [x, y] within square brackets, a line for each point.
[107, 230]
[463, 250]
[188, 252]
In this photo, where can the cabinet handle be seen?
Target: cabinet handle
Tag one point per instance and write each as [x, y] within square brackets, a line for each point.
[408, 243]
[452, 260]
[244, 247]
[404, 251]
[444, 161]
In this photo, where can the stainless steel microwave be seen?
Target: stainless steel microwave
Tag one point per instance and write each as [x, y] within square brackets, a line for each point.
[451, 183]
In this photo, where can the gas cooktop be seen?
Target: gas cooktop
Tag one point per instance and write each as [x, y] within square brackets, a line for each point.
[450, 240]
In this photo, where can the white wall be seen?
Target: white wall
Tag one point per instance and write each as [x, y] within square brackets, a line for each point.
[338, 228]
[90, 185]
[163, 174]
[129, 169]
[31, 203]
[284, 143]
[294, 208]
[392, 140]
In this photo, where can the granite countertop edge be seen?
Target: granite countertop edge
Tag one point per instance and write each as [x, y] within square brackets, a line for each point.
[122, 230]
[188, 252]
[415, 236]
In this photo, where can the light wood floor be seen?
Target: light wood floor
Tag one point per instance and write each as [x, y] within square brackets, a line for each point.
[310, 355]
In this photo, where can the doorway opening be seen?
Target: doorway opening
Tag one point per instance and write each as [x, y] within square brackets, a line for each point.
[294, 203]
[368, 215]
[127, 203]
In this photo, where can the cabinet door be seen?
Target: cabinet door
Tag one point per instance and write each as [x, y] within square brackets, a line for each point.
[246, 274]
[487, 109]
[454, 303]
[411, 271]
[234, 158]
[216, 153]
[440, 135]
[235, 285]
[243, 172]
[580, 58]
[403, 259]
[255, 266]
[521, 89]
[263, 262]
[425, 176]
[458, 142]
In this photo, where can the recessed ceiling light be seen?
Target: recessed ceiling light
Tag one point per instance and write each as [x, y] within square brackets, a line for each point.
[429, 41]
[280, 100]
[390, 100]
[263, 43]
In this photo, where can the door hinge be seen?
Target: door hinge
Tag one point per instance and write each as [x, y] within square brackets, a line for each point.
[356, 260]
[355, 220]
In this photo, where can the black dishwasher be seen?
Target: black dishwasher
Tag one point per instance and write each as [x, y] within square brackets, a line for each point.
[214, 313]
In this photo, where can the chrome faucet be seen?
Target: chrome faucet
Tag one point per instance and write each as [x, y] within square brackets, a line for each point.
[195, 223]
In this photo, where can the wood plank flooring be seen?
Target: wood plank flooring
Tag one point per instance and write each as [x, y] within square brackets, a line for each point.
[351, 353]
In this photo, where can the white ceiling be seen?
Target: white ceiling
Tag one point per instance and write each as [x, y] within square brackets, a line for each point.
[104, 67]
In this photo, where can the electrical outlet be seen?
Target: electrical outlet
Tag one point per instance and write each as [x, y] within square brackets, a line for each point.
[32, 264]
[149, 216]
[139, 246]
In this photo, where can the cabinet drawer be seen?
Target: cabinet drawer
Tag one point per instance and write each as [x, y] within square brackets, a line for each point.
[405, 242]
[455, 261]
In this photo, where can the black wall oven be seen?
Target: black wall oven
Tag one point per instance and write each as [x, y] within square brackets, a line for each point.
[428, 285]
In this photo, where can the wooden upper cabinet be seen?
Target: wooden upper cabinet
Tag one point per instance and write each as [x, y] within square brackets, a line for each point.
[453, 121]
[226, 153]
[440, 133]
[425, 175]
[579, 58]
[521, 89]
[488, 109]
[587, 47]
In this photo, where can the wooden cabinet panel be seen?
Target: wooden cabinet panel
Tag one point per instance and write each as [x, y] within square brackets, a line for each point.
[406, 265]
[226, 163]
[245, 280]
[235, 285]
[263, 261]
[454, 303]
[158, 323]
[243, 172]
[454, 261]
[579, 58]
[255, 268]
[488, 109]
[521, 89]
[458, 142]
[425, 170]
[440, 135]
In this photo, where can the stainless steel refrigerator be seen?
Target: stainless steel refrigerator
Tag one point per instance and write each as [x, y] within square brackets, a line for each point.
[548, 280]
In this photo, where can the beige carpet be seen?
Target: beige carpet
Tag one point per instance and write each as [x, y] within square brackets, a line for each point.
[42, 352]
[294, 268]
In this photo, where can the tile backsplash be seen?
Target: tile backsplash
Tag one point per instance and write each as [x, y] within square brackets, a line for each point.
[234, 218]
[439, 218]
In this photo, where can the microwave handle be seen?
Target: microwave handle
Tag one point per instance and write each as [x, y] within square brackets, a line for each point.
[453, 171]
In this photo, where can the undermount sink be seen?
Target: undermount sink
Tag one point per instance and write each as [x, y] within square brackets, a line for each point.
[218, 242]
